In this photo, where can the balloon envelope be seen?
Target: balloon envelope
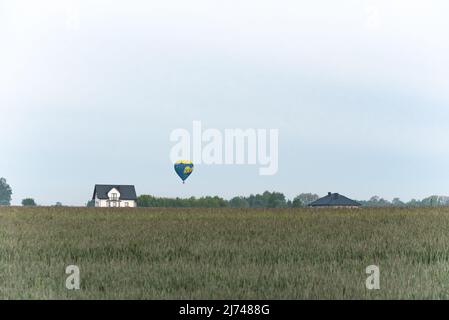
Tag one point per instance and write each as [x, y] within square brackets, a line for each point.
[184, 168]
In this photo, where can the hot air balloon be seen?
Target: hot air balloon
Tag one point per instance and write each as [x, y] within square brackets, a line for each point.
[183, 168]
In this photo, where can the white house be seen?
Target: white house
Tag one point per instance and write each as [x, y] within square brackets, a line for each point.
[115, 196]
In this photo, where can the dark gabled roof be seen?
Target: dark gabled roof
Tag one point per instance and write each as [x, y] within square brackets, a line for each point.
[126, 192]
[334, 200]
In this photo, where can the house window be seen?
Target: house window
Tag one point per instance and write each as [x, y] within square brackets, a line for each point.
[126, 204]
[114, 196]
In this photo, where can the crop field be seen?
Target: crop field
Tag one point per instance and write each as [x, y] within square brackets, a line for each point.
[224, 253]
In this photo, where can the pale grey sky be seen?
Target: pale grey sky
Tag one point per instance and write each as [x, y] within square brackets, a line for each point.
[90, 91]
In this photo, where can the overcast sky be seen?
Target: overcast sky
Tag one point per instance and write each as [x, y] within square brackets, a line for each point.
[91, 90]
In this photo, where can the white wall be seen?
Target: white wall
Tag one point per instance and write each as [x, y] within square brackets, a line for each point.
[122, 203]
[113, 190]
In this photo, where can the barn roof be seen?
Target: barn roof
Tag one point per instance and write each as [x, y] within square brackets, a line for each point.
[126, 192]
[334, 200]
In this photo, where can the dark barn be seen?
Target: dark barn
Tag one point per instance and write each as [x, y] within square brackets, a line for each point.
[335, 200]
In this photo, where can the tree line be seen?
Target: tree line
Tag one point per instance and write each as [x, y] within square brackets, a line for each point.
[432, 201]
[264, 200]
[278, 200]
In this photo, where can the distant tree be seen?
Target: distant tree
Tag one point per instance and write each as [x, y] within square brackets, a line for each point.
[28, 202]
[90, 203]
[151, 201]
[414, 203]
[209, 202]
[307, 198]
[5, 193]
[431, 201]
[297, 202]
[275, 199]
[192, 202]
[267, 200]
[257, 201]
[384, 203]
[58, 204]
[238, 202]
[397, 202]
[443, 200]
[377, 201]
[144, 200]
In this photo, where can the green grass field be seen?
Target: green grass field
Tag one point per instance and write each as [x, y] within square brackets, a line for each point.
[224, 253]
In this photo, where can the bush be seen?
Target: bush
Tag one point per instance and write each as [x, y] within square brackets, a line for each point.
[28, 202]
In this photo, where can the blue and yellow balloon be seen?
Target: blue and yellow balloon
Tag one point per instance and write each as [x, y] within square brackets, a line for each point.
[184, 168]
